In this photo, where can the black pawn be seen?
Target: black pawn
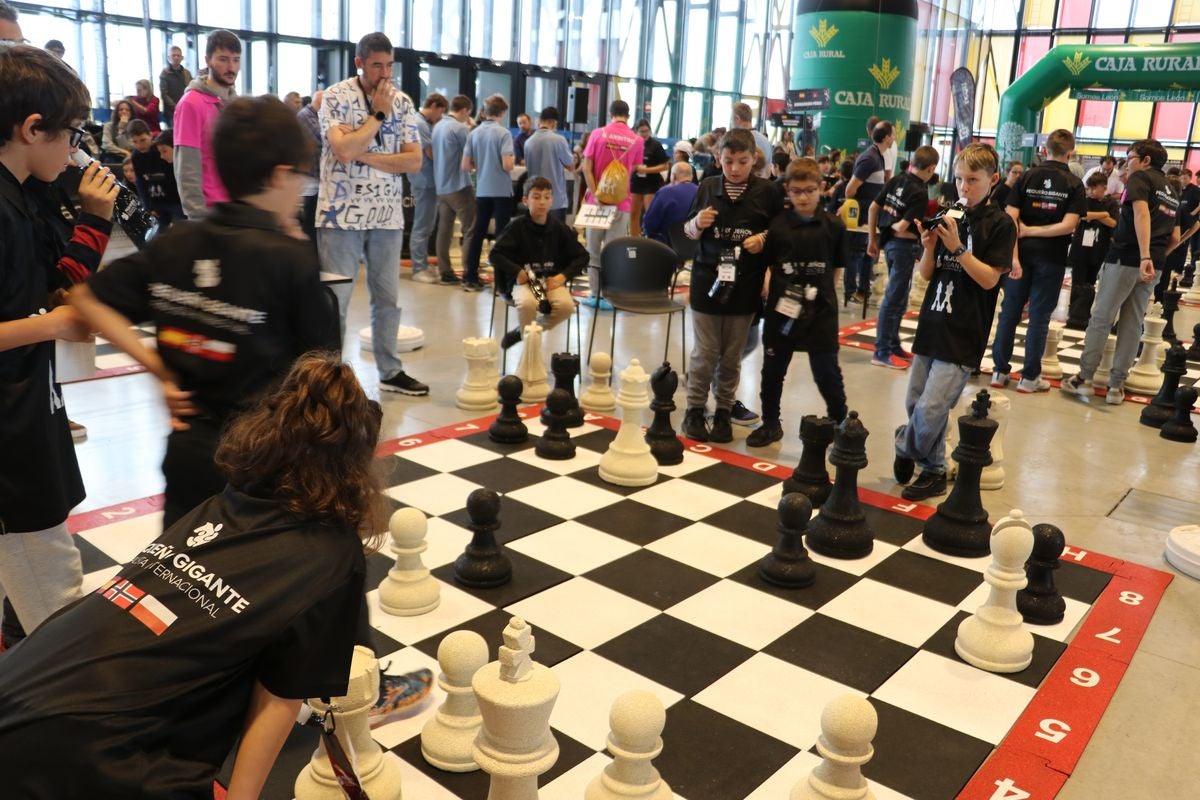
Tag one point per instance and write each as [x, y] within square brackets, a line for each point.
[810, 477]
[1193, 352]
[788, 564]
[960, 526]
[1180, 428]
[508, 427]
[555, 443]
[1083, 295]
[565, 368]
[840, 529]
[483, 564]
[1163, 405]
[1170, 304]
[665, 446]
[1039, 602]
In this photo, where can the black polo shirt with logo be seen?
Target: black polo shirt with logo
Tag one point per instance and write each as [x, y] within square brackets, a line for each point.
[904, 197]
[805, 253]
[1151, 186]
[1045, 194]
[956, 314]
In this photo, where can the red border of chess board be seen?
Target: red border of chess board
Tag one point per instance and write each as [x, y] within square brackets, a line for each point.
[1041, 750]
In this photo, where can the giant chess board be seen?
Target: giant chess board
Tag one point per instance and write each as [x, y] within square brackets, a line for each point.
[656, 588]
[1070, 348]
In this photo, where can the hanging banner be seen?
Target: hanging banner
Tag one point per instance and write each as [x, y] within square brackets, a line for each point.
[962, 89]
[1138, 95]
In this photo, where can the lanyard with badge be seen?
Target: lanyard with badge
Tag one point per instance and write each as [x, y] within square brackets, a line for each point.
[722, 288]
[796, 302]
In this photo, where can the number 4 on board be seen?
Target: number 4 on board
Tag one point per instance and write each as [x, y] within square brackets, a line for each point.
[1007, 790]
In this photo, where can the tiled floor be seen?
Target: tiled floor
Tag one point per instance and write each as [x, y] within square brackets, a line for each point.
[1067, 463]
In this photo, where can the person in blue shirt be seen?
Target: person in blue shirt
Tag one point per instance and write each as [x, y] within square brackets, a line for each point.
[549, 156]
[455, 195]
[489, 154]
[424, 189]
[671, 203]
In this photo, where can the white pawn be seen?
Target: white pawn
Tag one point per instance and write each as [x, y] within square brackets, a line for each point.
[378, 773]
[636, 723]
[478, 392]
[992, 477]
[993, 638]
[532, 367]
[516, 697]
[916, 295]
[408, 589]
[599, 394]
[628, 460]
[1051, 366]
[448, 738]
[1104, 370]
[848, 725]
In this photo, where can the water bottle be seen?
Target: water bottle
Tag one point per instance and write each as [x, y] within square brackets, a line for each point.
[136, 221]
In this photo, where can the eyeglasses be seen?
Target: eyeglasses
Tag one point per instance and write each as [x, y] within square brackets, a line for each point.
[804, 192]
[77, 135]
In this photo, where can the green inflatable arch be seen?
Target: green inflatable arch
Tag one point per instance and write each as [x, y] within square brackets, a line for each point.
[1108, 66]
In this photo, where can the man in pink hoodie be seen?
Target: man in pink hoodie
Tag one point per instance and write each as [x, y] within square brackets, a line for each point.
[195, 117]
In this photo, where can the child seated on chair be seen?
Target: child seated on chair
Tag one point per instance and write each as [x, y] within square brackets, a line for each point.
[545, 247]
[805, 247]
[729, 217]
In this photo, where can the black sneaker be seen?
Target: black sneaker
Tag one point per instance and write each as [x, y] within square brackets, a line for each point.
[449, 279]
[928, 484]
[765, 434]
[740, 415]
[472, 286]
[694, 425]
[403, 383]
[721, 431]
[511, 338]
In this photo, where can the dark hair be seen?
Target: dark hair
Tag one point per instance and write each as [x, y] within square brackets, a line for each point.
[137, 127]
[1109, 159]
[373, 43]
[253, 136]
[115, 119]
[36, 82]
[618, 108]
[311, 445]
[540, 182]
[523, 114]
[846, 170]
[882, 131]
[436, 100]
[222, 40]
[1060, 142]
[166, 139]
[642, 122]
[461, 102]
[738, 140]
[781, 160]
[55, 44]
[823, 159]
[925, 157]
[1151, 148]
[903, 165]
[872, 121]
[1012, 164]
[803, 169]
[549, 114]
[7, 12]
[495, 106]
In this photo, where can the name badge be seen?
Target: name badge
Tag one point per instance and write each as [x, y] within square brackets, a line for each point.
[788, 306]
[1089, 237]
[727, 271]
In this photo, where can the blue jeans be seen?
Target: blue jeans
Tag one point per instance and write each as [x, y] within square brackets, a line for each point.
[487, 209]
[901, 255]
[1039, 284]
[340, 252]
[425, 205]
[933, 390]
[857, 277]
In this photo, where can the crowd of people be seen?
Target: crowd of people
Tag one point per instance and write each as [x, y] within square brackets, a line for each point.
[270, 444]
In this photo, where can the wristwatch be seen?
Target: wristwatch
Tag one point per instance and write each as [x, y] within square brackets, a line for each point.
[379, 116]
[962, 248]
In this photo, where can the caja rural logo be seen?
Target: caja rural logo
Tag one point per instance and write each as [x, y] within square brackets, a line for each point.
[1077, 64]
[884, 73]
[823, 33]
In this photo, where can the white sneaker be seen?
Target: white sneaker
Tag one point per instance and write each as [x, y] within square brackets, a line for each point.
[1115, 395]
[999, 379]
[1033, 385]
[425, 276]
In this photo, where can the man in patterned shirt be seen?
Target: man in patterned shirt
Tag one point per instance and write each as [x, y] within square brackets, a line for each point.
[371, 138]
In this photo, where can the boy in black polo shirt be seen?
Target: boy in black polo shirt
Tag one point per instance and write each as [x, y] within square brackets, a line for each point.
[964, 258]
[234, 298]
[1130, 270]
[155, 177]
[892, 225]
[805, 247]
[1047, 204]
[1089, 247]
[729, 216]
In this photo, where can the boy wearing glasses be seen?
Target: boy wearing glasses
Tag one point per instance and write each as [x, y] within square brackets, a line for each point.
[805, 247]
[40, 568]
